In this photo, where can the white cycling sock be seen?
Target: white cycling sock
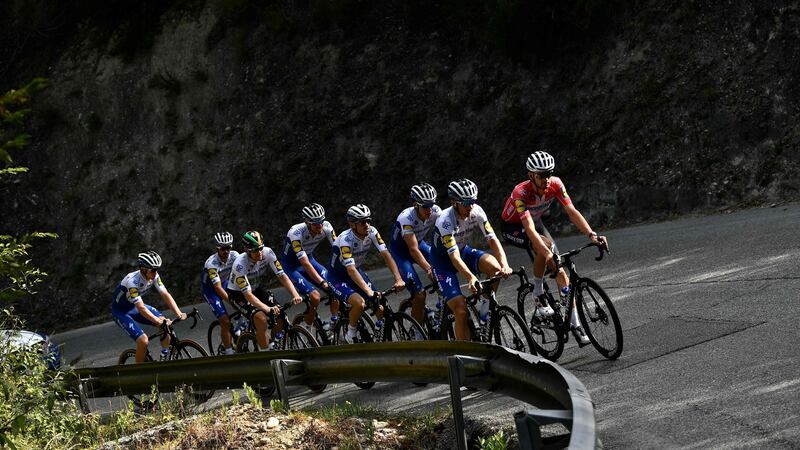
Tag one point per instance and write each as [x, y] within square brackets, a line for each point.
[229, 351]
[538, 286]
[351, 330]
[574, 318]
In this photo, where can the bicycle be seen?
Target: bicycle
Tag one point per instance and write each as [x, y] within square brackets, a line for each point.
[322, 329]
[396, 325]
[238, 324]
[292, 337]
[502, 325]
[431, 317]
[595, 311]
[177, 349]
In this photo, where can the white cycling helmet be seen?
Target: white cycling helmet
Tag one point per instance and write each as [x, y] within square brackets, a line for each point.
[223, 239]
[314, 213]
[423, 194]
[463, 190]
[149, 260]
[359, 212]
[540, 162]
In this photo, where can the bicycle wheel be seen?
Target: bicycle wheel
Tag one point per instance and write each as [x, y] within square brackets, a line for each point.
[510, 331]
[187, 349]
[405, 328]
[215, 339]
[447, 330]
[246, 343]
[139, 401]
[298, 338]
[599, 318]
[547, 332]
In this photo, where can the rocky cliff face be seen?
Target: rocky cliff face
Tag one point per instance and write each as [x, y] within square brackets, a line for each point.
[166, 123]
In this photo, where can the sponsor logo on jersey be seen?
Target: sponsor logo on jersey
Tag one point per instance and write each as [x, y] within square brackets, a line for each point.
[446, 225]
[346, 252]
[212, 273]
[298, 232]
[520, 205]
[133, 292]
[488, 227]
[408, 227]
[241, 282]
[564, 192]
[380, 239]
[160, 283]
[333, 235]
[448, 241]
[278, 265]
[297, 246]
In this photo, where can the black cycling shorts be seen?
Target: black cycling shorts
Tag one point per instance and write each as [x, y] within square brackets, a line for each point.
[514, 235]
[236, 298]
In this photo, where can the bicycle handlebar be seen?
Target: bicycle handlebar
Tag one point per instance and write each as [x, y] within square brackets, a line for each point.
[164, 327]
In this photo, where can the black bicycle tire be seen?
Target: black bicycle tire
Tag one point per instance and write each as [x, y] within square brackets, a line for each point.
[406, 325]
[123, 359]
[247, 342]
[211, 327]
[521, 327]
[553, 324]
[612, 353]
[200, 396]
[299, 330]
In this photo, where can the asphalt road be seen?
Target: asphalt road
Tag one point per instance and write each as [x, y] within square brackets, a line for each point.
[711, 358]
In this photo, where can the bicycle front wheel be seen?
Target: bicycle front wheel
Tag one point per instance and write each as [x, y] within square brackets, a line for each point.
[215, 346]
[298, 338]
[599, 318]
[187, 349]
[510, 331]
[246, 343]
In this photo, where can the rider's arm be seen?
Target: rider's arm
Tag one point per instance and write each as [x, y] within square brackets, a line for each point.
[398, 280]
[311, 271]
[461, 267]
[536, 240]
[500, 254]
[583, 226]
[289, 286]
[416, 255]
[170, 302]
[253, 300]
[352, 271]
[221, 292]
[147, 314]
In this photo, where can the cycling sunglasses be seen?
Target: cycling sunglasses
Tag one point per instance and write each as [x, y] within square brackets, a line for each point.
[426, 205]
[544, 175]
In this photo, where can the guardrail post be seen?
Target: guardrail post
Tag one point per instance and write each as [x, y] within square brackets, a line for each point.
[82, 400]
[457, 375]
[529, 425]
[280, 374]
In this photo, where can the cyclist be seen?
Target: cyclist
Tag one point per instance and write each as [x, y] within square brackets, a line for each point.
[349, 281]
[408, 246]
[127, 305]
[299, 262]
[244, 285]
[451, 255]
[522, 227]
[214, 279]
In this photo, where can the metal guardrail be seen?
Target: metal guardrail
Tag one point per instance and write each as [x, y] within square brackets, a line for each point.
[559, 396]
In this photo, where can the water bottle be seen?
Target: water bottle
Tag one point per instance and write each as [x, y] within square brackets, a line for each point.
[483, 313]
[564, 296]
[430, 315]
[241, 325]
[164, 354]
[276, 342]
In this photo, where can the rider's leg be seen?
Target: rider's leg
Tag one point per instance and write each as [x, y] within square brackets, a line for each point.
[314, 299]
[141, 348]
[225, 331]
[418, 306]
[459, 307]
[262, 334]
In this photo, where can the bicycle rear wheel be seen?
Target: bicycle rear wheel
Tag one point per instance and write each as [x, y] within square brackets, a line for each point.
[298, 338]
[510, 331]
[405, 328]
[599, 318]
[141, 401]
[246, 343]
[547, 332]
[215, 346]
[187, 349]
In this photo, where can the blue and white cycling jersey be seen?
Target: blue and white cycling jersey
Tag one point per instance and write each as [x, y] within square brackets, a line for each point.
[408, 222]
[452, 233]
[299, 243]
[217, 271]
[130, 291]
[348, 250]
[246, 275]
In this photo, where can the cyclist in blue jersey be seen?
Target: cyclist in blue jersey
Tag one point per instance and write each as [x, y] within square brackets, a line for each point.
[349, 281]
[128, 308]
[408, 246]
[213, 281]
[299, 262]
[451, 255]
